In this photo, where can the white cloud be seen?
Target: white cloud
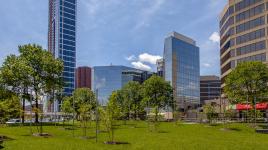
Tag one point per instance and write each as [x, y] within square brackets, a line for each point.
[131, 58]
[145, 57]
[140, 65]
[207, 65]
[215, 37]
[148, 12]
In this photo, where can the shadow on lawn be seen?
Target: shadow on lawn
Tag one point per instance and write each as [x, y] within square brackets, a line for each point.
[161, 131]
[234, 129]
[116, 143]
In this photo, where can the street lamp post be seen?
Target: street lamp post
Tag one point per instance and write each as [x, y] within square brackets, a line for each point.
[73, 113]
[97, 117]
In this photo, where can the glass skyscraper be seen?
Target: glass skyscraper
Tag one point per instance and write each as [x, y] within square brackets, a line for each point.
[62, 38]
[182, 70]
[107, 79]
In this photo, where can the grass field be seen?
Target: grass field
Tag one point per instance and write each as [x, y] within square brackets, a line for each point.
[168, 137]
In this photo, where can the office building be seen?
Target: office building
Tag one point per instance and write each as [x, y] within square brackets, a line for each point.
[83, 77]
[210, 88]
[243, 33]
[107, 79]
[182, 70]
[160, 67]
[62, 38]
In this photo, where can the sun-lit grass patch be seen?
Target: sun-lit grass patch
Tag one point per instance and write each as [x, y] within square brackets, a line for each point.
[136, 135]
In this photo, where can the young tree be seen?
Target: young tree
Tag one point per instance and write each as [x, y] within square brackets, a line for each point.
[45, 70]
[15, 75]
[110, 115]
[157, 94]
[133, 97]
[247, 83]
[9, 108]
[210, 112]
[67, 107]
[84, 104]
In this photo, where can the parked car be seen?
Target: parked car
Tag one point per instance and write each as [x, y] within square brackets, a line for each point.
[13, 121]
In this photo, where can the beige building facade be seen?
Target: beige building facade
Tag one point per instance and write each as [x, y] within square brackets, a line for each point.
[243, 34]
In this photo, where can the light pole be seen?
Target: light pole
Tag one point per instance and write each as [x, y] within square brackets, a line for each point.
[73, 112]
[97, 117]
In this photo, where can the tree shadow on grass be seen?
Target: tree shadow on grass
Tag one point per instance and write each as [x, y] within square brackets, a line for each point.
[1, 147]
[234, 129]
[116, 143]
[161, 131]
[87, 137]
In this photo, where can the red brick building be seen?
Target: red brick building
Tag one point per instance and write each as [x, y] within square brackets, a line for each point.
[83, 77]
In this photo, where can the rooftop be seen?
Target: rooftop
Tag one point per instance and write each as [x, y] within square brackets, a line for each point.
[182, 37]
[209, 77]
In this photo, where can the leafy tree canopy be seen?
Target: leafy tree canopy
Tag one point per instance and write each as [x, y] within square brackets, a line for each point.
[247, 80]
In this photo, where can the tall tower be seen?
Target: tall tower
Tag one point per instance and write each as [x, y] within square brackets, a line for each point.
[243, 34]
[182, 70]
[62, 38]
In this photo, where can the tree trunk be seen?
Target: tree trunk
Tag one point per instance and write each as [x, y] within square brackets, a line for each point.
[156, 114]
[23, 111]
[36, 111]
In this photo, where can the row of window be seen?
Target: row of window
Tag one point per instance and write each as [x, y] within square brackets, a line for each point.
[68, 10]
[68, 37]
[250, 36]
[229, 44]
[66, 31]
[71, 16]
[226, 68]
[251, 48]
[67, 26]
[245, 3]
[70, 64]
[67, 4]
[229, 33]
[66, 42]
[225, 57]
[67, 53]
[66, 58]
[227, 24]
[70, 1]
[229, 12]
[259, 57]
[68, 74]
[250, 24]
[250, 13]
[67, 21]
[67, 48]
[69, 69]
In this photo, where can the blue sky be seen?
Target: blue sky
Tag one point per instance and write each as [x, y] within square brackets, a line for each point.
[118, 32]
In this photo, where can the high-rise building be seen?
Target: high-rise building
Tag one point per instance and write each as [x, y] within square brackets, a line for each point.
[83, 77]
[181, 68]
[62, 38]
[107, 79]
[210, 88]
[243, 33]
[160, 67]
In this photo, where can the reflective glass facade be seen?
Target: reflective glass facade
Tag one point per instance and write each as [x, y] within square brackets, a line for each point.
[62, 38]
[182, 69]
[107, 79]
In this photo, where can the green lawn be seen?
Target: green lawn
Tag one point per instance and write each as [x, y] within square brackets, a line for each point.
[169, 137]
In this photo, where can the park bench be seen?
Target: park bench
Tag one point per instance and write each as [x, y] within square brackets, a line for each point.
[263, 131]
